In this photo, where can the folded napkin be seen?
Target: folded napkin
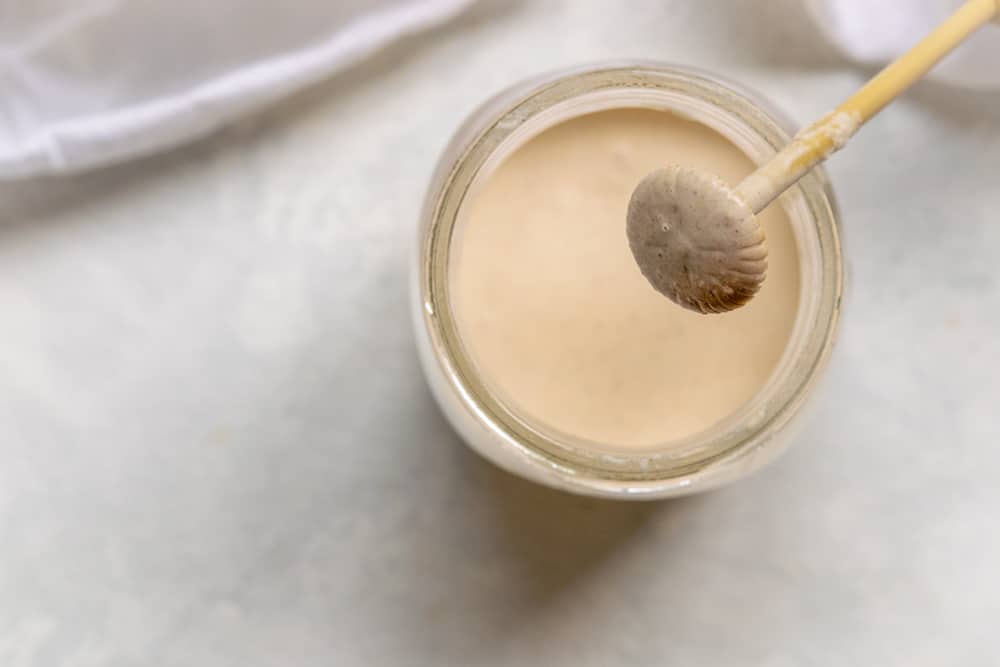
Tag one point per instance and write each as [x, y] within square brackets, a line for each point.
[91, 82]
[873, 32]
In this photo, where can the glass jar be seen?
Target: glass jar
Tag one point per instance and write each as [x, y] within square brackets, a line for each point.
[726, 451]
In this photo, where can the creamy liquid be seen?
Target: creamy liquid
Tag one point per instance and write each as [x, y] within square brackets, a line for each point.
[556, 315]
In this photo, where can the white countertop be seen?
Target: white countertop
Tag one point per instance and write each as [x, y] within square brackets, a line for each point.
[216, 447]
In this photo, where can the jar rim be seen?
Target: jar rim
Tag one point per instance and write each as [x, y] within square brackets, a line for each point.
[707, 457]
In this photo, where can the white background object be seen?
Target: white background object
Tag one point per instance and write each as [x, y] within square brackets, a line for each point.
[874, 33]
[216, 447]
[89, 82]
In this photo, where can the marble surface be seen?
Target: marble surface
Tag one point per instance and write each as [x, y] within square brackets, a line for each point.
[216, 447]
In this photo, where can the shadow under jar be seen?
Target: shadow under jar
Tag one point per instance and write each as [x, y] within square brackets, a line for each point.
[491, 417]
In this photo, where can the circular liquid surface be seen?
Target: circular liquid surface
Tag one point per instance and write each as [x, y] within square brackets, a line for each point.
[556, 315]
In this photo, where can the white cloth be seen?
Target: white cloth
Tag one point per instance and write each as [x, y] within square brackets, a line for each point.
[91, 82]
[873, 33]
[85, 83]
